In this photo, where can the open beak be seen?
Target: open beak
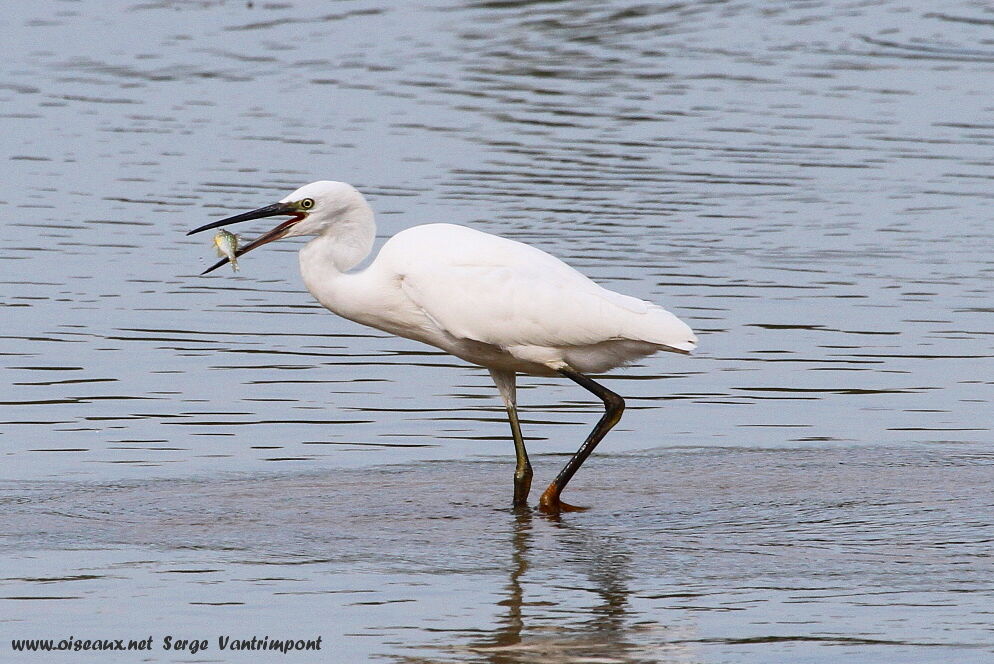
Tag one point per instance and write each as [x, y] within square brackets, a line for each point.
[275, 234]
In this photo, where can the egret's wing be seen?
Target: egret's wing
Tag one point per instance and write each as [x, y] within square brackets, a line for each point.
[496, 291]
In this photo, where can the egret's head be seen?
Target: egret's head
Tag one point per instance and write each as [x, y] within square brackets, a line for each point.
[323, 203]
[312, 209]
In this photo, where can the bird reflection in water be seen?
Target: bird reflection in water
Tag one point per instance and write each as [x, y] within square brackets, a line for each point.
[557, 632]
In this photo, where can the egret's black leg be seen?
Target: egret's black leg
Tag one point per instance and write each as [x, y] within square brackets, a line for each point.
[614, 406]
[506, 385]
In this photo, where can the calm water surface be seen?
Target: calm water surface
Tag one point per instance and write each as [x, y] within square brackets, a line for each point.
[808, 186]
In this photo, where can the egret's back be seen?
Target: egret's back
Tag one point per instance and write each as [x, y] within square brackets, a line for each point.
[502, 293]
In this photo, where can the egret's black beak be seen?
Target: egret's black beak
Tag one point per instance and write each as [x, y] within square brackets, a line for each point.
[275, 234]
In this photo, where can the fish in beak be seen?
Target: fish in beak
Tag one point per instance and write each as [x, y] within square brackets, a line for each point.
[297, 215]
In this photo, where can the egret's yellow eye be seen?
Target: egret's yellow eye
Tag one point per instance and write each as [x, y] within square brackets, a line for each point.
[307, 204]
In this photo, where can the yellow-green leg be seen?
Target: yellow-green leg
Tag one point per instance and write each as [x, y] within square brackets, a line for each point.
[505, 381]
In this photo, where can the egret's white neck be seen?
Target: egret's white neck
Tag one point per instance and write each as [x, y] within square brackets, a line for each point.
[347, 241]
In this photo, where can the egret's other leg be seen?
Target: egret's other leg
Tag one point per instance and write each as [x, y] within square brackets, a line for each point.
[614, 406]
[505, 381]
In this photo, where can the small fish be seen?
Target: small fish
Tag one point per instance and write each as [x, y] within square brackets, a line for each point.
[227, 244]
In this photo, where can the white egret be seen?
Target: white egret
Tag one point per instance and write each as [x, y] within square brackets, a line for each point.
[491, 301]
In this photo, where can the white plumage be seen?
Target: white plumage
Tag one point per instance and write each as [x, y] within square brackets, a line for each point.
[522, 302]
[492, 301]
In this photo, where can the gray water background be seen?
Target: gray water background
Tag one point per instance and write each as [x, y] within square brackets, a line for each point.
[806, 184]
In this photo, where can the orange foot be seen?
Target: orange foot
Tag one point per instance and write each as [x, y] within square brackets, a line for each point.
[550, 503]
